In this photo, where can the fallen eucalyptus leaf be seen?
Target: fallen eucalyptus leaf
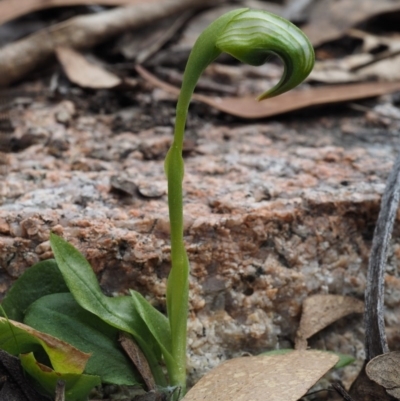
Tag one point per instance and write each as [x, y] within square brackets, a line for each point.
[385, 370]
[343, 361]
[274, 378]
[319, 311]
[249, 107]
[84, 73]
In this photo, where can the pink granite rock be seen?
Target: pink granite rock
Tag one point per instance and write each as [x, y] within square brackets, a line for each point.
[272, 215]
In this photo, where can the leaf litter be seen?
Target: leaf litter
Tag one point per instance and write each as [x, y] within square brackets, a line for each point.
[385, 370]
[276, 378]
[319, 311]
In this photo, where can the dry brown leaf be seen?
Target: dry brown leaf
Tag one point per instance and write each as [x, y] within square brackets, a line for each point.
[364, 66]
[387, 70]
[330, 19]
[372, 42]
[84, 73]
[11, 9]
[319, 311]
[274, 378]
[385, 370]
[137, 357]
[339, 70]
[249, 107]
[84, 31]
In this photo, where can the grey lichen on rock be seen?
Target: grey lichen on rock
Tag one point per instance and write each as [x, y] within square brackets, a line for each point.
[272, 215]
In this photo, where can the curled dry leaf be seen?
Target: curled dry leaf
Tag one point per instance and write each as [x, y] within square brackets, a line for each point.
[84, 73]
[319, 311]
[274, 378]
[249, 107]
[385, 370]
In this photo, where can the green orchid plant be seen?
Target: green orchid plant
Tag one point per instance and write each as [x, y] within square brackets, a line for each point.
[59, 298]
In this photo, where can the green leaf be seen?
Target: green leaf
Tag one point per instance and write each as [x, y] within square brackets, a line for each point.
[39, 280]
[82, 283]
[282, 351]
[118, 312]
[60, 316]
[16, 338]
[77, 386]
[344, 360]
[157, 323]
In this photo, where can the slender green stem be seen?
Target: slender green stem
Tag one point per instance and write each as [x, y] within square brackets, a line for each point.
[250, 36]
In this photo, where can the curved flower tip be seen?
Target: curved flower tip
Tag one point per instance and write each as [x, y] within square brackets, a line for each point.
[252, 36]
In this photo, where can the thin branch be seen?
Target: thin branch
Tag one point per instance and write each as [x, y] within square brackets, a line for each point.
[11, 9]
[342, 392]
[375, 336]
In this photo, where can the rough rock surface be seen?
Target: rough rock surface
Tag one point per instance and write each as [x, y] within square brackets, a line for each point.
[273, 213]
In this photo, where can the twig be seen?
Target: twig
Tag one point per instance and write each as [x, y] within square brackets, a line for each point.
[341, 391]
[375, 336]
[60, 390]
[11, 9]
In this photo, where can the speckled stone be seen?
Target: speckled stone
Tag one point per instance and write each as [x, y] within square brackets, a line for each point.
[272, 215]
